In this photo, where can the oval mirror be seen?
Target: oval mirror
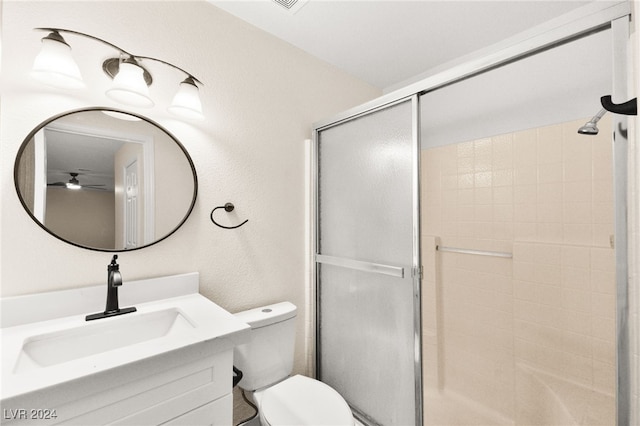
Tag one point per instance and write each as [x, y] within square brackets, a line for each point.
[105, 180]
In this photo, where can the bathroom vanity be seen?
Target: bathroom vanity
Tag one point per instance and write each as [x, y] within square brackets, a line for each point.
[170, 362]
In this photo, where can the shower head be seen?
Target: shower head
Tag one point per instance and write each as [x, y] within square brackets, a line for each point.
[590, 127]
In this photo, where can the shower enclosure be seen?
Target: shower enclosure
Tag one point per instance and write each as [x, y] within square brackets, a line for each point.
[470, 247]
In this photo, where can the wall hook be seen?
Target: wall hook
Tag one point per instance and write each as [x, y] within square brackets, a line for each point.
[626, 108]
[228, 207]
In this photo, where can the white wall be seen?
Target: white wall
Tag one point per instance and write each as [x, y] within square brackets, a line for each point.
[260, 97]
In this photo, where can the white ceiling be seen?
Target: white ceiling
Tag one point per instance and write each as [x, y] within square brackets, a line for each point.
[387, 43]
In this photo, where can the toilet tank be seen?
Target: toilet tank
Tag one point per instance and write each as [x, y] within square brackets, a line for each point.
[268, 356]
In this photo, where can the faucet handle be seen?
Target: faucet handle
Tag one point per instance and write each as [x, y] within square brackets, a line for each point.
[115, 278]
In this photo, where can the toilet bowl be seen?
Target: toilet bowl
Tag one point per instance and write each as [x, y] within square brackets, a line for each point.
[300, 400]
[267, 361]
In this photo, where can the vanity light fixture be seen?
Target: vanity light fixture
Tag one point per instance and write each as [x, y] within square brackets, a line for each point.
[55, 66]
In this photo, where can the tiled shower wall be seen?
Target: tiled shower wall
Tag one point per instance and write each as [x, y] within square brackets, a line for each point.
[527, 340]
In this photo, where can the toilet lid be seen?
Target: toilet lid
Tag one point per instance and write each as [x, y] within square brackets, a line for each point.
[300, 400]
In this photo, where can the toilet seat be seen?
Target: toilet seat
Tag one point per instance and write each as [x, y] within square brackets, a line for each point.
[300, 400]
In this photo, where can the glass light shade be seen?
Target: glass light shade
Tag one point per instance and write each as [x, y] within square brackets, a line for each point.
[186, 102]
[55, 66]
[129, 86]
[70, 185]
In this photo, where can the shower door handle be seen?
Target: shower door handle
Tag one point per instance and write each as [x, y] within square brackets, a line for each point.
[377, 268]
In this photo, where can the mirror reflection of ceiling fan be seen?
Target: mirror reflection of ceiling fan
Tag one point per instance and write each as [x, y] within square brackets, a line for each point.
[74, 183]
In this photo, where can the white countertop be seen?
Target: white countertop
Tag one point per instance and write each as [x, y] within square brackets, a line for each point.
[205, 322]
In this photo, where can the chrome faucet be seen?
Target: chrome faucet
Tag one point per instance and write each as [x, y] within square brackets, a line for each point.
[114, 280]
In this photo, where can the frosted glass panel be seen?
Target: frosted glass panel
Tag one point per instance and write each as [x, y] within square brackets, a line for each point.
[365, 187]
[367, 342]
[366, 317]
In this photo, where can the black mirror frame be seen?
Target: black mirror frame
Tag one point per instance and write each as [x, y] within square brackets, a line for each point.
[51, 119]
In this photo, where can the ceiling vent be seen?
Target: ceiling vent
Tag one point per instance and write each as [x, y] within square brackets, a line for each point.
[292, 6]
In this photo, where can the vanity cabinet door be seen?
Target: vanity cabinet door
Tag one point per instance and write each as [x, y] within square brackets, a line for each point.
[189, 386]
[215, 413]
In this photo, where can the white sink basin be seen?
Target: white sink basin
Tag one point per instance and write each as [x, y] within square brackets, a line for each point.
[105, 335]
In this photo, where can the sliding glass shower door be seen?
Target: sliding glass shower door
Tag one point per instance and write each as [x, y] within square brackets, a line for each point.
[367, 272]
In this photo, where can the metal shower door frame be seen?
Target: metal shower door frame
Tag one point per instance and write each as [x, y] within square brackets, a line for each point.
[620, 34]
[416, 270]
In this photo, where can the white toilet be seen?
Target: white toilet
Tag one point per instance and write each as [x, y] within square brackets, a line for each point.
[266, 362]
